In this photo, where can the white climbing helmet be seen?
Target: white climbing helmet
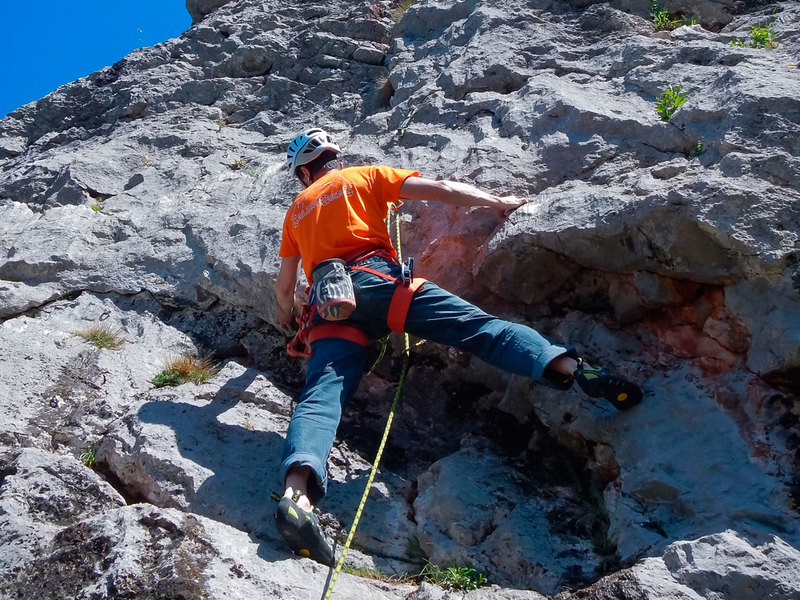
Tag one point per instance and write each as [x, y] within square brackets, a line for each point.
[307, 146]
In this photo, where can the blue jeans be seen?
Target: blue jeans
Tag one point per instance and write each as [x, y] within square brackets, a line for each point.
[334, 371]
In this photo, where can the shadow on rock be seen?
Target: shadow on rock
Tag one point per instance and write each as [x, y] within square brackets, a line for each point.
[217, 459]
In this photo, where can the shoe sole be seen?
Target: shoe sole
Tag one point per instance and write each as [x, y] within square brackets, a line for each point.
[622, 399]
[624, 396]
[302, 532]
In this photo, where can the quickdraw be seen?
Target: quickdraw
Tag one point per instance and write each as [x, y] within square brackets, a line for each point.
[300, 346]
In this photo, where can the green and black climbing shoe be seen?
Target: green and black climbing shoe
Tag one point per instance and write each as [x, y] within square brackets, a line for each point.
[598, 382]
[301, 531]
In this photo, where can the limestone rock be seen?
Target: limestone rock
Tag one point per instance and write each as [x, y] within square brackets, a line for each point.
[148, 199]
[723, 565]
[472, 509]
[199, 9]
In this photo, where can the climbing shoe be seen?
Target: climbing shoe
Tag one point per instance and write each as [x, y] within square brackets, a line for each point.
[597, 382]
[301, 531]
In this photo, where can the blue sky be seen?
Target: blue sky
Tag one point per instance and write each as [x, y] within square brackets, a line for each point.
[47, 43]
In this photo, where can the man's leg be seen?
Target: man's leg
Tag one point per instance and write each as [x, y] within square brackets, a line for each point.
[332, 376]
[440, 316]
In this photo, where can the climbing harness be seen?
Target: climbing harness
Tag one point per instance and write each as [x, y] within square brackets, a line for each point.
[337, 297]
[332, 577]
[404, 291]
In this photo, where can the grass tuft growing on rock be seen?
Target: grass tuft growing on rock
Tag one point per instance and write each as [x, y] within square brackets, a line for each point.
[88, 457]
[365, 572]
[661, 19]
[185, 369]
[464, 579]
[101, 336]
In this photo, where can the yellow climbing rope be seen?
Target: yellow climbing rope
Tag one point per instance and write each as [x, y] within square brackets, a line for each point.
[326, 594]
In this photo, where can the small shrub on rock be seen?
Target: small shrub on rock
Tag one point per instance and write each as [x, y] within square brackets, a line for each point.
[184, 370]
[669, 101]
[761, 37]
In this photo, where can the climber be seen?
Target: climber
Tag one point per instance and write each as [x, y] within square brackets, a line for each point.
[336, 229]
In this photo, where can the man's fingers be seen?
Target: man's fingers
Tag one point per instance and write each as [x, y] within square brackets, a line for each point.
[510, 204]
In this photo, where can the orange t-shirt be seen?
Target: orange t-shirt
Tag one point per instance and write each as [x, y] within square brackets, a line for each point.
[342, 214]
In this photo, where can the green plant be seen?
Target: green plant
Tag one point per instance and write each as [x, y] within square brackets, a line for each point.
[669, 101]
[464, 579]
[762, 37]
[221, 124]
[88, 457]
[101, 336]
[239, 164]
[413, 548]
[167, 378]
[661, 19]
[365, 572]
[697, 150]
[97, 205]
[184, 370]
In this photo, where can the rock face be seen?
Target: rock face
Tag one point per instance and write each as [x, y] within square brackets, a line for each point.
[148, 199]
[202, 8]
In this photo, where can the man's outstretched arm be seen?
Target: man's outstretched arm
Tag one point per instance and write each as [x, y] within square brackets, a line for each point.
[458, 194]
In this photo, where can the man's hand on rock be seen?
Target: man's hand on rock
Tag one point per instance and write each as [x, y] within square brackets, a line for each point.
[507, 204]
[285, 321]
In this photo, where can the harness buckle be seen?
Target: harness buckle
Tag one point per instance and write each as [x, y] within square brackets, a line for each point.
[408, 271]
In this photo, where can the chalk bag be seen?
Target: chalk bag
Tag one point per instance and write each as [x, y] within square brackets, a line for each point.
[332, 290]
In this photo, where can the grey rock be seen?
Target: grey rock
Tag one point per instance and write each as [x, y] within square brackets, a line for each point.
[723, 565]
[148, 197]
[473, 509]
[39, 495]
[199, 9]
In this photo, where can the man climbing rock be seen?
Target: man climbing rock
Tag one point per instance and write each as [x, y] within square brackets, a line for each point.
[359, 292]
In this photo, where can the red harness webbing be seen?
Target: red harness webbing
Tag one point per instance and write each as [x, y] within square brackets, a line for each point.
[346, 332]
[300, 346]
[401, 299]
[401, 302]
